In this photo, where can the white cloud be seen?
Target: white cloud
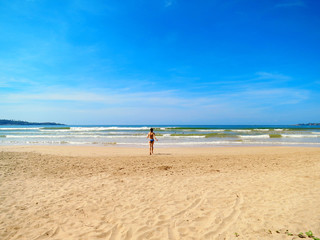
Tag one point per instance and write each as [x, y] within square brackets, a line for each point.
[272, 76]
[106, 96]
[79, 105]
[171, 98]
[277, 96]
[14, 82]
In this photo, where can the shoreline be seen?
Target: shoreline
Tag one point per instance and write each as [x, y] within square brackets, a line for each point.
[141, 151]
[170, 145]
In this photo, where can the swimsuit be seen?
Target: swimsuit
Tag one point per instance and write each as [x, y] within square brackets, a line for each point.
[151, 140]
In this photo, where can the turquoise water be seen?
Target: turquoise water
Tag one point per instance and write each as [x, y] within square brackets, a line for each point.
[168, 135]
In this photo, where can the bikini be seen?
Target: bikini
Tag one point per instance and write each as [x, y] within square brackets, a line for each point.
[151, 140]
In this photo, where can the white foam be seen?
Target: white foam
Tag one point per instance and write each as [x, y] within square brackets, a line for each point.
[169, 136]
[166, 135]
[211, 130]
[59, 142]
[299, 136]
[165, 128]
[18, 128]
[255, 136]
[138, 144]
[107, 128]
[76, 143]
[241, 130]
[282, 143]
[187, 136]
[35, 136]
[87, 133]
[74, 136]
[262, 129]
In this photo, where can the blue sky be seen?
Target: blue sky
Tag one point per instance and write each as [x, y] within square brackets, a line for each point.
[160, 61]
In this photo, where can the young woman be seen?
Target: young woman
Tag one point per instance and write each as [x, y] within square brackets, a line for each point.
[151, 136]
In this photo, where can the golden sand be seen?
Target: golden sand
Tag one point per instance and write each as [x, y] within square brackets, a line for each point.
[62, 192]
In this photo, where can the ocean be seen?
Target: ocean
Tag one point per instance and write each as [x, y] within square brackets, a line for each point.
[168, 135]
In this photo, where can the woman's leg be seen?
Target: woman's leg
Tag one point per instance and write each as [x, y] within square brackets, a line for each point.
[150, 146]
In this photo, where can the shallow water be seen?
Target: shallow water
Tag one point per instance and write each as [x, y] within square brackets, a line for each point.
[168, 135]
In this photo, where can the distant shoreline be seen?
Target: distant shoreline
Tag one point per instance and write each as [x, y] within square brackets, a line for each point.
[14, 122]
[308, 124]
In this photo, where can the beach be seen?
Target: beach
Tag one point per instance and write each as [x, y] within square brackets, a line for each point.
[95, 192]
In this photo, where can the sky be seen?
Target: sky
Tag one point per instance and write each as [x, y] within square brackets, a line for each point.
[160, 62]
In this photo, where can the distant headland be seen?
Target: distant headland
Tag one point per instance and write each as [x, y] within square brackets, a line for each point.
[13, 122]
[308, 124]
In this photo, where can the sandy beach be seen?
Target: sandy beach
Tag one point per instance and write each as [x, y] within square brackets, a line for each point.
[70, 192]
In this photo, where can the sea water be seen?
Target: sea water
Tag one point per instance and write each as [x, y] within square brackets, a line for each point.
[168, 135]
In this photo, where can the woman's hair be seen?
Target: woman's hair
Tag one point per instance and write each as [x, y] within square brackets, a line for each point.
[151, 129]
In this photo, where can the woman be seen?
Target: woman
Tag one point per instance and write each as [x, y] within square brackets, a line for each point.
[151, 136]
